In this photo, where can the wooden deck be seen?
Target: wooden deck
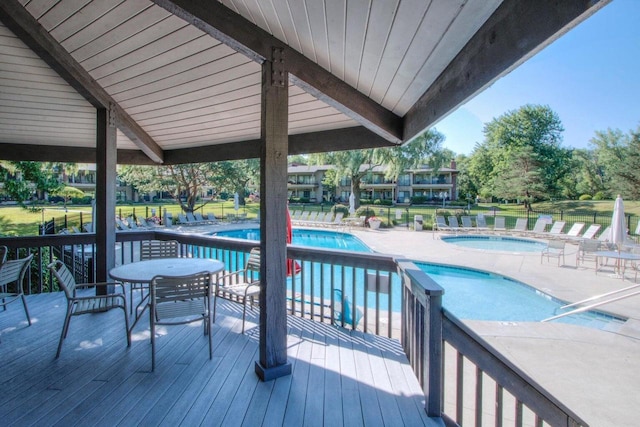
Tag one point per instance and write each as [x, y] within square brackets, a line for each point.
[339, 377]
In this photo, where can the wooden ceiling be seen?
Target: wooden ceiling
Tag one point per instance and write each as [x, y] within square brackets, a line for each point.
[184, 77]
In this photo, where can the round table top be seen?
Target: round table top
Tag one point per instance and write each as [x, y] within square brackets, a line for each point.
[618, 255]
[145, 271]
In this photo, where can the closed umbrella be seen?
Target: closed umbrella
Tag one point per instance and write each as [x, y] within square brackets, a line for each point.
[352, 204]
[618, 224]
[236, 202]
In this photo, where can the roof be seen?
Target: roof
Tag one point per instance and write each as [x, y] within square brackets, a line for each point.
[184, 77]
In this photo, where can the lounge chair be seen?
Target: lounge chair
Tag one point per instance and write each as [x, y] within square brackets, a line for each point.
[453, 223]
[242, 286]
[121, 225]
[131, 221]
[481, 223]
[337, 221]
[520, 227]
[467, 224]
[323, 219]
[499, 224]
[211, 217]
[440, 224]
[310, 220]
[555, 231]
[302, 218]
[538, 227]
[182, 219]
[575, 230]
[86, 304]
[554, 249]
[590, 233]
[168, 219]
[199, 218]
[295, 216]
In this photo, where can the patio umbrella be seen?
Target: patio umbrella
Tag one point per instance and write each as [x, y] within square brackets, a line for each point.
[618, 224]
[352, 204]
[291, 270]
[236, 201]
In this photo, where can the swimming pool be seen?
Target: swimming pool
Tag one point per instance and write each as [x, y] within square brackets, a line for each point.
[469, 294]
[496, 243]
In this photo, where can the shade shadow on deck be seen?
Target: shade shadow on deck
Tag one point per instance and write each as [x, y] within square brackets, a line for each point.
[339, 377]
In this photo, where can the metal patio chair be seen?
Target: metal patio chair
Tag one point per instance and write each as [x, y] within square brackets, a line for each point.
[13, 272]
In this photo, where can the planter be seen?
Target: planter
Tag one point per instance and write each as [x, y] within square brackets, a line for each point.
[374, 224]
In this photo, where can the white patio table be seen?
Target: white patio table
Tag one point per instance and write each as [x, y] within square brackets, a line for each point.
[621, 260]
[145, 271]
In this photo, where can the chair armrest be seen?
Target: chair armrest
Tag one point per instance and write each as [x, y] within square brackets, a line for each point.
[99, 285]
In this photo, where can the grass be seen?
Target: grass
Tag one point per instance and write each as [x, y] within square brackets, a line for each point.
[16, 221]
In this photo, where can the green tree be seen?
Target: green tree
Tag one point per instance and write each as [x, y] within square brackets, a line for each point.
[617, 161]
[235, 176]
[22, 179]
[528, 137]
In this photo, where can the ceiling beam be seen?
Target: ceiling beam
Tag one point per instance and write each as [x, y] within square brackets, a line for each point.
[25, 27]
[516, 31]
[353, 138]
[247, 38]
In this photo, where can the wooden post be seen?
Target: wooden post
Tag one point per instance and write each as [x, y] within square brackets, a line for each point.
[273, 229]
[105, 206]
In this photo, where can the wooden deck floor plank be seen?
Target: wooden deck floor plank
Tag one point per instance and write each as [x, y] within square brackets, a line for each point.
[98, 381]
[130, 371]
[145, 394]
[351, 403]
[277, 406]
[385, 392]
[191, 380]
[410, 403]
[294, 414]
[203, 401]
[333, 400]
[220, 403]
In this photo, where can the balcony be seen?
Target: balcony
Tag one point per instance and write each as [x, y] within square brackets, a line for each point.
[388, 368]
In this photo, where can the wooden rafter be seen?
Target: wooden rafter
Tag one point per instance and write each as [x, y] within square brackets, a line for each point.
[25, 27]
[516, 31]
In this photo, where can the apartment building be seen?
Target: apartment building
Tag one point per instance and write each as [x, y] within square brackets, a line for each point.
[420, 184]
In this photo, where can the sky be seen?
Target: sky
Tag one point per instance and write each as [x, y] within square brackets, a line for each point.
[590, 77]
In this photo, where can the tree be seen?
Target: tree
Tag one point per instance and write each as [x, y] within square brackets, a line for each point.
[22, 179]
[67, 192]
[235, 176]
[354, 165]
[529, 137]
[618, 160]
[184, 183]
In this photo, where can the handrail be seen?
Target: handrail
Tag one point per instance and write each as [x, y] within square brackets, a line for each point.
[589, 307]
[595, 297]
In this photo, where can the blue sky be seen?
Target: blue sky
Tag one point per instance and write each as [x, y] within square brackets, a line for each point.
[590, 77]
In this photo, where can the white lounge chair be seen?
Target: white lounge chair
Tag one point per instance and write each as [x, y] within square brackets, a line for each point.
[467, 224]
[521, 226]
[499, 224]
[440, 224]
[481, 223]
[575, 230]
[538, 227]
[453, 223]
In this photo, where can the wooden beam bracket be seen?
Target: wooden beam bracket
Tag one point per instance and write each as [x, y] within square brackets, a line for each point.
[278, 69]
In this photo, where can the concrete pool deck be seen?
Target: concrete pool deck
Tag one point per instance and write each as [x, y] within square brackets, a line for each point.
[595, 373]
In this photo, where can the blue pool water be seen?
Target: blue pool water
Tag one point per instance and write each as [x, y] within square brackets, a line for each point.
[469, 294]
[496, 243]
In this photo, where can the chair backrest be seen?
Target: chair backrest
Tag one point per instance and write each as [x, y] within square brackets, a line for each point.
[211, 216]
[453, 221]
[521, 224]
[191, 217]
[591, 231]
[481, 221]
[132, 222]
[606, 235]
[65, 279]
[198, 216]
[312, 216]
[440, 221]
[499, 223]
[182, 219]
[168, 219]
[557, 227]
[575, 229]
[338, 218]
[589, 245]
[253, 262]
[182, 296]
[637, 231]
[14, 271]
[152, 249]
[466, 222]
[555, 244]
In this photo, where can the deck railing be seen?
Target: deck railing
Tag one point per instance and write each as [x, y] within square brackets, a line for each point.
[450, 361]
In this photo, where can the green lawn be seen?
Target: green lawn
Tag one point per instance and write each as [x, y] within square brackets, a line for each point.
[16, 221]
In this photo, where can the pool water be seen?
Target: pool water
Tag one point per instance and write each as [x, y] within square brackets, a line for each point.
[469, 294]
[496, 243]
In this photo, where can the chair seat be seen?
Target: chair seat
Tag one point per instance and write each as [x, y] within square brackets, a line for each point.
[242, 289]
[97, 304]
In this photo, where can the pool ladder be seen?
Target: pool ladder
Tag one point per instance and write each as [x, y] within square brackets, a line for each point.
[597, 304]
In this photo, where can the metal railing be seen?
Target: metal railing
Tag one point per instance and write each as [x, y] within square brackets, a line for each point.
[400, 302]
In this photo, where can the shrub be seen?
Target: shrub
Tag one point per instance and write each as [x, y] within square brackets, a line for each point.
[340, 208]
[599, 196]
[585, 197]
[417, 200]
